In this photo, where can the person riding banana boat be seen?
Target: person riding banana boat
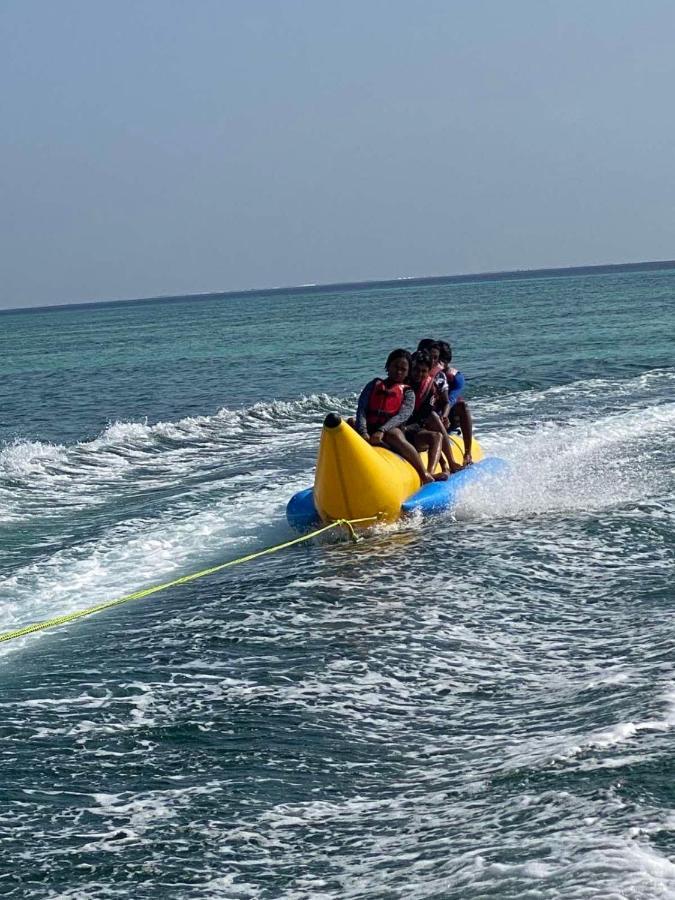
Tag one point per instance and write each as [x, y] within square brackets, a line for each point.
[430, 397]
[453, 410]
[395, 458]
[385, 406]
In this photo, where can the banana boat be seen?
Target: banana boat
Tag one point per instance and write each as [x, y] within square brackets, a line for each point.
[355, 480]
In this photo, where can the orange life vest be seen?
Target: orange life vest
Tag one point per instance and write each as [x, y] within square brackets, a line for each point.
[383, 403]
[423, 391]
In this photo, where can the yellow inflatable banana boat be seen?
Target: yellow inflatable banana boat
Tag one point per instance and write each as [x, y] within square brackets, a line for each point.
[355, 480]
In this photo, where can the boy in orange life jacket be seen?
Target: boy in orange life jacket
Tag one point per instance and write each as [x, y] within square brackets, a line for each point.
[385, 405]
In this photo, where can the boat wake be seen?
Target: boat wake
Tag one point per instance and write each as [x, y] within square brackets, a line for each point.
[141, 504]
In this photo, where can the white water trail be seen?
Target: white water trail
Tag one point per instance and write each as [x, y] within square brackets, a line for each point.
[583, 466]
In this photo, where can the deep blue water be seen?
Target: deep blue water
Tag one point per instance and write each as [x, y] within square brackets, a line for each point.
[479, 705]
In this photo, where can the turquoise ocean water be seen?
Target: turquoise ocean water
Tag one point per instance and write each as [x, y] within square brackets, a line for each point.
[478, 705]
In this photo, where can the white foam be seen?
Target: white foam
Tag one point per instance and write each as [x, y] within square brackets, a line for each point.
[128, 458]
[142, 811]
[622, 732]
[583, 466]
[142, 552]
[23, 459]
[581, 398]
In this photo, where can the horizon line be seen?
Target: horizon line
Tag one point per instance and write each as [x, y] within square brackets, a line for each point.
[400, 281]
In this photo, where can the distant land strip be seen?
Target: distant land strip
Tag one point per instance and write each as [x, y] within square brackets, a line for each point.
[401, 282]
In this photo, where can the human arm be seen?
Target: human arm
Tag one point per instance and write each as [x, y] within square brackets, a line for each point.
[442, 404]
[456, 384]
[362, 409]
[404, 413]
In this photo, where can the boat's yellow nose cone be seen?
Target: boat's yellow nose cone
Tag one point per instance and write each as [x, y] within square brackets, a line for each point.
[355, 480]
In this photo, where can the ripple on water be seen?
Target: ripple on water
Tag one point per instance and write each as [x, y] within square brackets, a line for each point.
[477, 706]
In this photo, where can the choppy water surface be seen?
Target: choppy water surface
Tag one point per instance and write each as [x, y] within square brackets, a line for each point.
[479, 705]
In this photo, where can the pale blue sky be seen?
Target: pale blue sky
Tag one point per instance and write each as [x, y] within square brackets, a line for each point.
[162, 147]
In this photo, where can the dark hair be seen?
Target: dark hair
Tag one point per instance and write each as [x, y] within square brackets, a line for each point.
[445, 351]
[428, 344]
[422, 358]
[397, 354]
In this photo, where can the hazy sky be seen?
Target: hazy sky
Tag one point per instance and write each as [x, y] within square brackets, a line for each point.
[161, 147]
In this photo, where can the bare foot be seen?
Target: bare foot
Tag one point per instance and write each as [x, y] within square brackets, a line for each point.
[467, 459]
[426, 478]
[441, 476]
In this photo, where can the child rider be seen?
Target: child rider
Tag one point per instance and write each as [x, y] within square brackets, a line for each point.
[385, 405]
[456, 413]
[428, 398]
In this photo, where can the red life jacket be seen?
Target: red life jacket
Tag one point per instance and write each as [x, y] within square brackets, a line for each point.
[383, 403]
[423, 391]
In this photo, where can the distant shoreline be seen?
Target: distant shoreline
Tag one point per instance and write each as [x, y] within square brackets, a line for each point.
[339, 286]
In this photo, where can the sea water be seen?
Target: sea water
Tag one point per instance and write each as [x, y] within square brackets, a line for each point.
[477, 705]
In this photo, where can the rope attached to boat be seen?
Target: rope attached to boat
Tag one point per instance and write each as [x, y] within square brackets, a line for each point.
[185, 579]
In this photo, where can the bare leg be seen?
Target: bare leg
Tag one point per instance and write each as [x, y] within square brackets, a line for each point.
[435, 423]
[435, 457]
[395, 439]
[431, 441]
[466, 426]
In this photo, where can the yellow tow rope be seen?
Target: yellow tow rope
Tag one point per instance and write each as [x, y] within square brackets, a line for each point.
[137, 595]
